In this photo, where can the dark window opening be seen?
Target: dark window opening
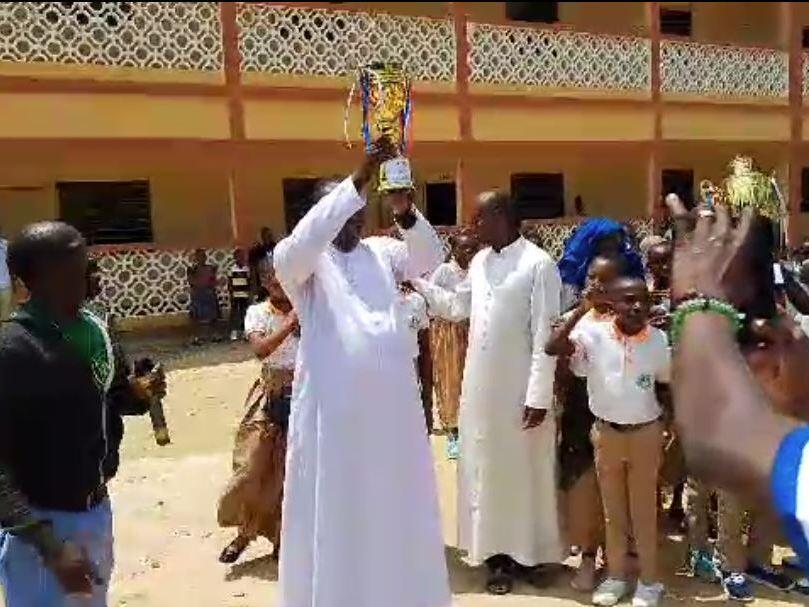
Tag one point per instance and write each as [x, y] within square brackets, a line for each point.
[805, 190]
[680, 182]
[107, 212]
[539, 195]
[533, 12]
[675, 22]
[442, 206]
[299, 197]
[805, 37]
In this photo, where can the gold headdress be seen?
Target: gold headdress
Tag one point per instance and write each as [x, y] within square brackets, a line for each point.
[746, 187]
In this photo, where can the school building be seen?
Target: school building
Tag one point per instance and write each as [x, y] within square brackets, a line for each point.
[157, 127]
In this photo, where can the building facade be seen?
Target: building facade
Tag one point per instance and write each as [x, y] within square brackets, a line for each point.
[158, 127]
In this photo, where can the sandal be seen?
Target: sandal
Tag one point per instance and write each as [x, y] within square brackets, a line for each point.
[233, 551]
[500, 582]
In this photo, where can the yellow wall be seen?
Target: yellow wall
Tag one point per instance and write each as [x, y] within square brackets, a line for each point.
[31, 115]
[725, 123]
[755, 23]
[324, 121]
[609, 183]
[189, 207]
[564, 122]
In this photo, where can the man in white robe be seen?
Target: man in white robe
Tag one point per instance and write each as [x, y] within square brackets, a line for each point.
[361, 525]
[507, 511]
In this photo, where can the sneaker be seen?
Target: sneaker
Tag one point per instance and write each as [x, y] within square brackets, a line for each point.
[737, 588]
[647, 595]
[453, 448]
[766, 575]
[234, 336]
[610, 592]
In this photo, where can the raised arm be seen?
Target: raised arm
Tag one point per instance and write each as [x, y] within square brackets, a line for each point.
[559, 343]
[545, 303]
[295, 257]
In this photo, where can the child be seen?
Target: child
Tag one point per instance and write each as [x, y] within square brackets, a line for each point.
[585, 517]
[204, 304]
[622, 360]
[252, 500]
[239, 288]
[448, 341]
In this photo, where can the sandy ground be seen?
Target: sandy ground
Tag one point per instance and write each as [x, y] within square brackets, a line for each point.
[167, 540]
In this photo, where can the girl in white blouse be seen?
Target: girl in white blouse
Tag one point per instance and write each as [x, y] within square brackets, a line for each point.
[252, 500]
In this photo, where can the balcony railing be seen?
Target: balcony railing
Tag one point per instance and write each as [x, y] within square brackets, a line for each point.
[558, 59]
[156, 35]
[291, 40]
[723, 71]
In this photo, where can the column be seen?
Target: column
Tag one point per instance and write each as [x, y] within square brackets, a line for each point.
[792, 43]
[233, 86]
[465, 194]
[655, 200]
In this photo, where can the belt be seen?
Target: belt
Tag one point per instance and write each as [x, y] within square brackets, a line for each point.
[626, 427]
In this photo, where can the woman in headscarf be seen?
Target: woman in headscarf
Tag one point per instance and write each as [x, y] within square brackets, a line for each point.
[598, 237]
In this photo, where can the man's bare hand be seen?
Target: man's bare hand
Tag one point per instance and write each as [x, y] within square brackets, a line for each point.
[381, 150]
[532, 418]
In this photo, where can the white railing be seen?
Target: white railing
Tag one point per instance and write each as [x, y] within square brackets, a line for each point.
[805, 59]
[154, 282]
[158, 35]
[723, 71]
[292, 40]
[558, 59]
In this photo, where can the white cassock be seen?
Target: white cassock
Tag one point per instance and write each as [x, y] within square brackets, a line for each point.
[361, 525]
[506, 475]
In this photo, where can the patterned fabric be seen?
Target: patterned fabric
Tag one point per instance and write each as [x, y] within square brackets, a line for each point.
[448, 342]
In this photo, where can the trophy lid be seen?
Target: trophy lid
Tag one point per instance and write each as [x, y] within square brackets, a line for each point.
[395, 174]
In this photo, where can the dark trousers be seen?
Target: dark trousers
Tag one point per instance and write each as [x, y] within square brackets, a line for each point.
[238, 309]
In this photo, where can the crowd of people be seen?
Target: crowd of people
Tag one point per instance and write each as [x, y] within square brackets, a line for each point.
[621, 379]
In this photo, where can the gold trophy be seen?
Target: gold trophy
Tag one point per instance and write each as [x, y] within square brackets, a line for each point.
[385, 95]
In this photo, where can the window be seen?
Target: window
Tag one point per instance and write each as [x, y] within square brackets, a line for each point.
[299, 197]
[680, 182]
[107, 212]
[805, 37]
[675, 22]
[534, 12]
[539, 195]
[805, 190]
[442, 207]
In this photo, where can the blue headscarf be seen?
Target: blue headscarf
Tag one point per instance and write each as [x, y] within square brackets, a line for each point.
[580, 249]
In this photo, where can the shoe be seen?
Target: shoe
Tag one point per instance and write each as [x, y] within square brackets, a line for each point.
[737, 588]
[610, 592]
[453, 448]
[234, 336]
[767, 576]
[647, 595]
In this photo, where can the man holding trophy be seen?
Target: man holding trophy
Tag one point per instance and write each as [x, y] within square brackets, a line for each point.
[361, 524]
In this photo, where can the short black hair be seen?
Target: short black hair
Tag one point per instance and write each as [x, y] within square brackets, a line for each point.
[502, 202]
[40, 244]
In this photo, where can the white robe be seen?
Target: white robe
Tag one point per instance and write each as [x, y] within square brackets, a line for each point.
[361, 525]
[506, 476]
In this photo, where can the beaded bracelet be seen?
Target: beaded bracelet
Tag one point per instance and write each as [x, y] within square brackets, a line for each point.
[702, 304]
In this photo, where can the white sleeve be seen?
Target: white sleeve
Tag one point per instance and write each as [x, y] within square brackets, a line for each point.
[441, 276]
[582, 344]
[295, 257]
[545, 302]
[453, 305]
[419, 253]
[253, 320]
[420, 305]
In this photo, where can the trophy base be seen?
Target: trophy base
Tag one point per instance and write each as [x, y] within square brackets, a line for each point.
[395, 174]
